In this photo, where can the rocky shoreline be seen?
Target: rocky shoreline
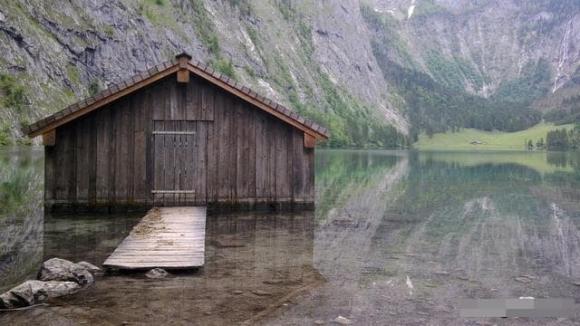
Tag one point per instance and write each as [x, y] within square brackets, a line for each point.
[56, 278]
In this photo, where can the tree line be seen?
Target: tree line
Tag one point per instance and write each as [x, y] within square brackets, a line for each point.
[557, 140]
[435, 108]
[563, 140]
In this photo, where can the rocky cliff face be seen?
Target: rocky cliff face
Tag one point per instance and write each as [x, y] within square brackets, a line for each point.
[305, 54]
[491, 40]
[326, 59]
[483, 64]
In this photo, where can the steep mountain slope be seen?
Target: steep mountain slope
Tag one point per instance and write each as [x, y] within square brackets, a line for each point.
[483, 64]
[489, 41]
[373, 71]
[311, 55]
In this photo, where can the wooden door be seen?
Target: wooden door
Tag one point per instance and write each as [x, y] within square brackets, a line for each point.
[173, 165]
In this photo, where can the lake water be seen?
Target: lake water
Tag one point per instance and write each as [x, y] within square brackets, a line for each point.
[398, 238]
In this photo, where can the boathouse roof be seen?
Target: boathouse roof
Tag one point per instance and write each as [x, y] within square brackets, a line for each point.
[181, 63]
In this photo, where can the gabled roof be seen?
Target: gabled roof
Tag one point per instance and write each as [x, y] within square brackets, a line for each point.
[182, 61]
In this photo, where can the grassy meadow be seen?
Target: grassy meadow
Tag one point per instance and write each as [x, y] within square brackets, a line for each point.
[490, 140]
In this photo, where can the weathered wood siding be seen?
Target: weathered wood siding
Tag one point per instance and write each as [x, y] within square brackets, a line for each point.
[236, 154]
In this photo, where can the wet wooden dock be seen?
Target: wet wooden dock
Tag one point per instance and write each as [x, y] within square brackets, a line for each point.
[169, 238]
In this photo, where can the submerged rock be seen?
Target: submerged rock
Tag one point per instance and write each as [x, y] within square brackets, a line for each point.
[261, 293]
[35, 292]
[342, 320]
[523, 279]
[57, 269]
[157, 273]
[273, 282]
[228, 243]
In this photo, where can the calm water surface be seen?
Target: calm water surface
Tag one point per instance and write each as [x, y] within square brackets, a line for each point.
[398, 238]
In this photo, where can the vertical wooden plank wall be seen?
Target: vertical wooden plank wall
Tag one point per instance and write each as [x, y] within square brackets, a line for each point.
[241, 155]
[49, 174]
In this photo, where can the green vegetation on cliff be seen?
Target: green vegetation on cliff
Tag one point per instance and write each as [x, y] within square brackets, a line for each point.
[351, 123]
[12, 103]
[12, 93]
[454, 73]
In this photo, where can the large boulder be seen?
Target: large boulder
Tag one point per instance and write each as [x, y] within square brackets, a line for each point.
[57, 277]
[57, 269]
[34, 292]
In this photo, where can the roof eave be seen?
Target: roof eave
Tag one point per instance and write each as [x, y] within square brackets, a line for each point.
[109, 97]
[256, 100]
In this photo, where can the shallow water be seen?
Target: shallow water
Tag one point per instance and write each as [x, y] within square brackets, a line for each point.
[398, 238]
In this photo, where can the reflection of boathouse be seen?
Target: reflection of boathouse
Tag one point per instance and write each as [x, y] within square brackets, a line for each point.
[177, 135]
[21, 227]
[254, 264]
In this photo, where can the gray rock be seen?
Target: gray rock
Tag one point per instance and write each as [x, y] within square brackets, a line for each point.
[523, 279]
[342, 320]
[261, 293]
[2, 17]
[57, 269]
[273, 282]
[442, 273]
[34, 292]
[157, 273]
[90, 267]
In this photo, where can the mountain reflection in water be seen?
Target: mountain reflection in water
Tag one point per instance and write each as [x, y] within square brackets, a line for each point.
[397, 238]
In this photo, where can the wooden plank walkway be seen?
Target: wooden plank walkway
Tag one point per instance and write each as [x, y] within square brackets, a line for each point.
[169, 238]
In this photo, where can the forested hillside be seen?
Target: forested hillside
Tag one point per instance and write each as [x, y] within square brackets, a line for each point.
[377, 73]
[488, 65]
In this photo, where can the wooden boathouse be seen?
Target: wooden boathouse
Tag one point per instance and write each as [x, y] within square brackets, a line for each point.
[179, 134]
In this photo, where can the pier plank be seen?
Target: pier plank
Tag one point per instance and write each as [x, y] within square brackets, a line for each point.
[170, 238]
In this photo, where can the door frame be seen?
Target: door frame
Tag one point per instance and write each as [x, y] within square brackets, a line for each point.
[176, 196]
